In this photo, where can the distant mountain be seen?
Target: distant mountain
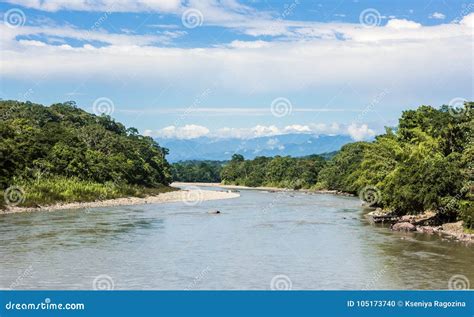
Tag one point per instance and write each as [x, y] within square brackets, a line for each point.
[205, 148]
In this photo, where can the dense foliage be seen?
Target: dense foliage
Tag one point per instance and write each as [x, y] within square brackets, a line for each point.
[279, 171]
[197, 171]
[38, 142]
[424, 164]
[62, 153]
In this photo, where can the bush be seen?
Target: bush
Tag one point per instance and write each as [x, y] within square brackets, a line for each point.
[466, 213]
[49, 191]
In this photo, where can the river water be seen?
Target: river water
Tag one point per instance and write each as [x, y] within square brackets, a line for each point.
[260, 240]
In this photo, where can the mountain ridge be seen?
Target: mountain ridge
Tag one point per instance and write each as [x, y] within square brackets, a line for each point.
[207, 148]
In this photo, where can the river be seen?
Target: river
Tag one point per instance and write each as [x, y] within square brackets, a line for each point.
[260, 240]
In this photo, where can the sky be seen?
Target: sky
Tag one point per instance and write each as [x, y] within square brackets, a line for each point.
[187, 68]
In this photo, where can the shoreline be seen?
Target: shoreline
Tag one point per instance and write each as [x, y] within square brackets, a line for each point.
[264, 188]
[190, 197]
[407, 223]
[449, 230]
[426, 223]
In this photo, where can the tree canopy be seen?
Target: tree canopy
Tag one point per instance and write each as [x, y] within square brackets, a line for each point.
[197, 171]
[425, 163]
[279, 171]
[63, 140]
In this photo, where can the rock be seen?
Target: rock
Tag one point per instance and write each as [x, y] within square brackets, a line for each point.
[427, 218]
[403, 226]
[407, 218]
[455, 230]
[425, 229]
[382, 216]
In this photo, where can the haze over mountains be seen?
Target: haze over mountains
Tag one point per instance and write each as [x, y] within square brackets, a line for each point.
[208, 148]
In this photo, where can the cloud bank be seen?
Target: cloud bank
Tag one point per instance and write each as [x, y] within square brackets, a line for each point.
[318, 55]
[192, 131]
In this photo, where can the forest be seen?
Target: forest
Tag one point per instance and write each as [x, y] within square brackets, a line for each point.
[61, 153]
[279, 171]
[426, 163]
[197, 171]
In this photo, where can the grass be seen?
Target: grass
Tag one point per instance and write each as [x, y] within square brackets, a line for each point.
[67, 190]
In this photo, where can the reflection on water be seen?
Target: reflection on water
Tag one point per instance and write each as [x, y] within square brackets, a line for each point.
[317, 241]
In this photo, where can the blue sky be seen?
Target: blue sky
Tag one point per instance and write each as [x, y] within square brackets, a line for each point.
[239, 68]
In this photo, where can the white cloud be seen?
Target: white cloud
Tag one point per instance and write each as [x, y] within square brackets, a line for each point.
[101, 5]
[57, 33]
[360, 133]
[297, 128]
[314, 52]
[189, 131]
[249, 44]
[438, 15]
[215, 12]
[400, 24]
[192, 131]
[247, 133]
[400, 48]
[274, 143]
[468, 21]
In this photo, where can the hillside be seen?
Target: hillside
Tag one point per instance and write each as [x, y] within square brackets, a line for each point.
[63, 153]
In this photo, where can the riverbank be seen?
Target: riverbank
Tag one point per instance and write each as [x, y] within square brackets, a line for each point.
[449, 230]
[409, 223]
[427, 222]
[263, 188]
[190, 197]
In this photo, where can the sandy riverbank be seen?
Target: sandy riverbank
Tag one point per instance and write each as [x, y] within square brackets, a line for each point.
[190, 197]
[263, 188]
